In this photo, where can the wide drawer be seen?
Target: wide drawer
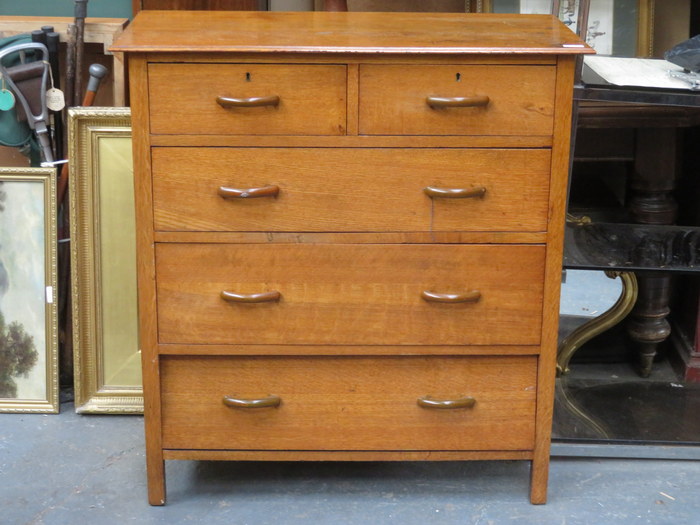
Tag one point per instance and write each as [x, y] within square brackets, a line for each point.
[349, 403]
[190, 99]
[336, 189]
[349, 294]
[466, 100]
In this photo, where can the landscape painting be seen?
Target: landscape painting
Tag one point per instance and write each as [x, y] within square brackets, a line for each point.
[28, 331]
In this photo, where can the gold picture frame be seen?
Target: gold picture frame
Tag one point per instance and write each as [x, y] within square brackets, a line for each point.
[107, 362]
[28, 285]
[635, 31]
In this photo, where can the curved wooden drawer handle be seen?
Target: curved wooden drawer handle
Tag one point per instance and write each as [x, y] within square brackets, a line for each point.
[454, 193]
[264, 297]
[248, 193]
[468, 297]
[458, 102]
[265, 402]
[248, 102]
[462, 402]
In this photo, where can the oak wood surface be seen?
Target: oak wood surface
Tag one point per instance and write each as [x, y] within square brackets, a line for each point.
[146, 282]
[393, 100]
[345, 455]
[439, 237]
[552, 280]
[362, 141]
[348, 58]
[349, 403]
[350, 315]
[183, 99]
[344, 350]
[319, 32]
[346, 190]
[349, 294]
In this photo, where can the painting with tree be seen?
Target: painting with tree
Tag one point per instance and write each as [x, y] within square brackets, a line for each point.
[28, 343]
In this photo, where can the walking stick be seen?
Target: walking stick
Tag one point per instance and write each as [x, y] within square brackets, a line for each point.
[52, 39]
[80, 14]
[97, 73]
[70, 66]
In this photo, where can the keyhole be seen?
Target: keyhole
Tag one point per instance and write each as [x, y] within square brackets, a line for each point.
[458, 77]
[247, 77]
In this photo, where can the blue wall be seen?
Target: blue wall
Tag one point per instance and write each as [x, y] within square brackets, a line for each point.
[97, 8]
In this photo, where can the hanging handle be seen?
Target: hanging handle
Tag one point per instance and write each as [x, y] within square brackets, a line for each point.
[477, 101]
[248, 102]
[454, 193]
[462, 402]
[271, 401]
[467, 297]
[264, 297]
[248, 193]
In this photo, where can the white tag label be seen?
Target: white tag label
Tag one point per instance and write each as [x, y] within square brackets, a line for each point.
[55, 100]
[49, 294]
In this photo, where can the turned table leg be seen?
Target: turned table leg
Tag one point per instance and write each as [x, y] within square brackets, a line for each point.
[647, 325]
[651, 202]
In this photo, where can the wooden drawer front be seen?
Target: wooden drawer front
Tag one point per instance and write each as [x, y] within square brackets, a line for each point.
[349, 189]
[183, 99]
[393, 100]
[349, 403]
[349, 294]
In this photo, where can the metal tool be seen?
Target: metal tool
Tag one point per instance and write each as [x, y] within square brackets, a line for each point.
[31, 76]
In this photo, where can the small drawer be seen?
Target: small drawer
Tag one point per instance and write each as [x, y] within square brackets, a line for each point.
[336, 403]
[247, 99]
[456, 100]
[349, 190]
[349, 294]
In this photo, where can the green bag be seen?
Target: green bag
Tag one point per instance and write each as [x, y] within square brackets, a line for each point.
[14, 133]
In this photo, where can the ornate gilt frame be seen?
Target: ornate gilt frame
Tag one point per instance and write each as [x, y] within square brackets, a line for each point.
[49, 402]
[103, 267]
[645, 24]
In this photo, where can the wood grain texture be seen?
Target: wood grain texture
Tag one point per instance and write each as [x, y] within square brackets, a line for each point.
[350, 346]
[347, 455]
[393, 100]
[346, 190]
[345, 350]
[276, 57]
[183, 99]
[146, 281]
[319, 32]
[346, 141]
[439, 237]
[349, 403]
[552, 281]
[349, 294]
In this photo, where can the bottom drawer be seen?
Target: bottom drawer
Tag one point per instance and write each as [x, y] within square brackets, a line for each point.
[349, 403]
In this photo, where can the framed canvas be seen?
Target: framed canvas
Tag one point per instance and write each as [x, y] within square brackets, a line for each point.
[107, 360]
[28, 276]
[615, 27]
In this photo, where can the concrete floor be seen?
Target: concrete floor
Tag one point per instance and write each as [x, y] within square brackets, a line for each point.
[71, 469]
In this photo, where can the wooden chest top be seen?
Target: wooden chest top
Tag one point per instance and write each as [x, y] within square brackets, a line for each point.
[314, 32]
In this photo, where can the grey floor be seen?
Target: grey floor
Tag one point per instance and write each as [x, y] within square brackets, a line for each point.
[73, 469]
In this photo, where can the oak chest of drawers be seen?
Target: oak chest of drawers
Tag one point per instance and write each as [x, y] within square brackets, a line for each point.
[349, 234]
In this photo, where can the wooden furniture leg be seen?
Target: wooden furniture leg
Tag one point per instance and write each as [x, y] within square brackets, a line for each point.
[335, 5]
[652, 202]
